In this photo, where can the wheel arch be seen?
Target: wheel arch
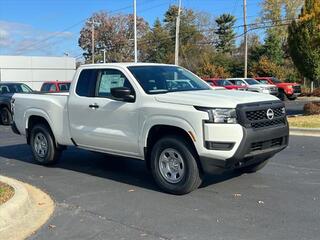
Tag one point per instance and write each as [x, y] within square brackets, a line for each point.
[158, 131]
[32, 121]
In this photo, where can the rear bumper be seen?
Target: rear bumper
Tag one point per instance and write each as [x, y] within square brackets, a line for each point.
[256, 146]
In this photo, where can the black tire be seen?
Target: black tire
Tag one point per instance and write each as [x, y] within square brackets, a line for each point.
[6, 116]
[291, 98]
[190, 180]
[52, 154]
[253, 168]
[281, 95]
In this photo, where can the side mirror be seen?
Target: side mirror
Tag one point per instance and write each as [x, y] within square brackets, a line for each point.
[243, 84]
[122, 93]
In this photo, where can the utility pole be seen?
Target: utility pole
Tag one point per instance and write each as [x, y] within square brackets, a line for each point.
[245, 38]
[176, 52]
[104, 55]
[135, 31]
[92, 40]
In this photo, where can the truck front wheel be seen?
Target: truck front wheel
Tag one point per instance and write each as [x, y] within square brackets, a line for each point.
[43, 145]
[174, 166]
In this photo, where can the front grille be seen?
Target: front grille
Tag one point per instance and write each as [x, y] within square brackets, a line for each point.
[297, 89]
[262, 114]
[274, 89]
[256, 115]
[268, 123]
[258, 146]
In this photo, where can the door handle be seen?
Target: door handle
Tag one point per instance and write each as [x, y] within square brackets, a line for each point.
[94, 105]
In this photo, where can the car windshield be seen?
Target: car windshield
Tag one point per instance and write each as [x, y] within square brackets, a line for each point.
[251, 81]
[64, 87]
[276, 80]
[14, 88]
[162, 79]
[223, 82]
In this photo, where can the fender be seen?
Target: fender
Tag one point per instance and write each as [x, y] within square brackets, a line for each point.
[163, 120]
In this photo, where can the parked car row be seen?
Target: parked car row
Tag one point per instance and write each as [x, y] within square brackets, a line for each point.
[7, 89]
[267, 85]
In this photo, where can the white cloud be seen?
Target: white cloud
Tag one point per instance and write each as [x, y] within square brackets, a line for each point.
[20, 39]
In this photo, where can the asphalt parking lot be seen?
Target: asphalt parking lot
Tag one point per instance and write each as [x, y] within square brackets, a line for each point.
[103, 197]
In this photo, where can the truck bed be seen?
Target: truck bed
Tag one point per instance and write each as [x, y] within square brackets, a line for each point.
[51, 106]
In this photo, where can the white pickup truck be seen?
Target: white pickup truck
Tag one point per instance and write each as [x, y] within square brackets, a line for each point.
[163, 114]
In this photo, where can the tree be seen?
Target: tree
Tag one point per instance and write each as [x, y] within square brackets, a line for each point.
[113, 33]
[304, 40]
[190, 37]
[225, 33]
[154, 46]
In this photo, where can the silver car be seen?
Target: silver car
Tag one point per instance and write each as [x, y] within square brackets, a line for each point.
[255, 86]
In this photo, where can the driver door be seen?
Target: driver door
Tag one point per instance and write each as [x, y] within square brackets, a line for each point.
[100, 121]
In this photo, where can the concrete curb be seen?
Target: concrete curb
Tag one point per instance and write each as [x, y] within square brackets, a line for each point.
[25, 212]
[17, 206]
[310, 132]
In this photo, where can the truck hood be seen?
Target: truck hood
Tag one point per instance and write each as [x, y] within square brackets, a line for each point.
[258, 86]
[213, 98]
[287, 84]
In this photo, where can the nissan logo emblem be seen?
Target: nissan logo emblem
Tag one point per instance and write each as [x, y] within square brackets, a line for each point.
[270, 114]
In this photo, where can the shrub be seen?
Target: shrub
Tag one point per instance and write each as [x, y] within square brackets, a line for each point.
[312, 108]
[316, 92]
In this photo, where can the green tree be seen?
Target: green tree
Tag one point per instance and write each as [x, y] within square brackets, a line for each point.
[154, 46]
[225, 33]
[304, 40]
[189, 38]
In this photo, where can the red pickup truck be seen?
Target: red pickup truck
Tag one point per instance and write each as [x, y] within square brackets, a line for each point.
[55, 86]
[286, 90]
[219, 82]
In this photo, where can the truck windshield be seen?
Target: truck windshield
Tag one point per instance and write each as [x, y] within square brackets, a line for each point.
[276, 80]
[64, 87]
[162, 79]
[251, 81]
[223, 83]
[14, 88]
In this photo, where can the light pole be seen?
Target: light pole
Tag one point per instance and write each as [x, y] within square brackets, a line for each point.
[176, 52]
[245, 38]
[135, 31]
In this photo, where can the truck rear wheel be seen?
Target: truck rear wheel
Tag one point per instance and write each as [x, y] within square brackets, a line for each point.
[6, 117]
[43, 145]
[174, 166]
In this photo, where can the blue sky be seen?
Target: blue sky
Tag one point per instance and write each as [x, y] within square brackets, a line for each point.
[51, 27]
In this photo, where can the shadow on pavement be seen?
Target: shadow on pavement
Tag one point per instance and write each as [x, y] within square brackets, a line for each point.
[120, 169]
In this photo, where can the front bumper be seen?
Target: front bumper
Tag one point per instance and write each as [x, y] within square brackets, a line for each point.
[255, 146]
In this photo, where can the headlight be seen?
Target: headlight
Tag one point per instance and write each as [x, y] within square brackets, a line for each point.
[220, 115]
[265, 90]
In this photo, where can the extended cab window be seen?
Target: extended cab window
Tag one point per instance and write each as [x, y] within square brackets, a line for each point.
[108, 79]
[86, 83]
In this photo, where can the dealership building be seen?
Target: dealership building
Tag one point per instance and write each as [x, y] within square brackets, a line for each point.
[33, 71]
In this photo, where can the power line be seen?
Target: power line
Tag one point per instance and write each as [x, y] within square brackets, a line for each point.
[68, 28]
